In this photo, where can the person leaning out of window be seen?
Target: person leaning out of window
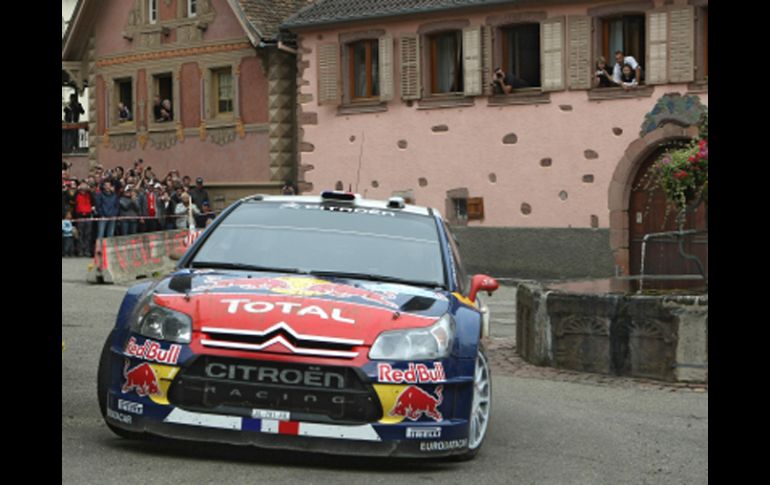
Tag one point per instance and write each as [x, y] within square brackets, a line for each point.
[603, 78]
[628, 77]
[505, 83]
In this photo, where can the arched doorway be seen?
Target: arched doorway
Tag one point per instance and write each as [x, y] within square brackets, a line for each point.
[650, 213]
[623, 226]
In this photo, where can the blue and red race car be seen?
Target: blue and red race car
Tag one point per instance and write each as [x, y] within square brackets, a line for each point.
[321, 323]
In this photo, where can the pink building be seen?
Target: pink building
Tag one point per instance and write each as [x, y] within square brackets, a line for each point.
[396, 98]
[223, 67]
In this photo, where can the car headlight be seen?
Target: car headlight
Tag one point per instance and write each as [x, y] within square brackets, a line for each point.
[154, 321]
[433, 342]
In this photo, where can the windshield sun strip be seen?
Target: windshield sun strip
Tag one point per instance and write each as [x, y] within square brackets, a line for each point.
[332, 231]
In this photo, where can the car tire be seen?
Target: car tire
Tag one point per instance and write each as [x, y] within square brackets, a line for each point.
[481, 407]
[102, 386]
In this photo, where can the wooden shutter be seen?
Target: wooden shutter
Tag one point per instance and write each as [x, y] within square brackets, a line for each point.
[385, 69]
[328, 74]
[552, 54]
[410, 66]
[656, 70]
[472, 61]
[681, 48]
[475, 208]
[579, 52]
[486, 61]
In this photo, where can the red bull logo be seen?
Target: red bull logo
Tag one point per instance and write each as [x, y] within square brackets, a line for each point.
[141, 379]
[333, 290]
[414, 402]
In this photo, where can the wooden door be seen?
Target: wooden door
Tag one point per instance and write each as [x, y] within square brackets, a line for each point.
[648, 213]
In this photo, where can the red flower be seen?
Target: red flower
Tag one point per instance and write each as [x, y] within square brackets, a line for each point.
[680, 175]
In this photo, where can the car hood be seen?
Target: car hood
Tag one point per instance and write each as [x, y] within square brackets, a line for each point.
[255, 309]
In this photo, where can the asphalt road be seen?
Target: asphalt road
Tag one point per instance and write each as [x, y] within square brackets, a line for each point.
[548, 427]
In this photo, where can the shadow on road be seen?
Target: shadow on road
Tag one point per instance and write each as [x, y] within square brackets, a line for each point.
[158, 446]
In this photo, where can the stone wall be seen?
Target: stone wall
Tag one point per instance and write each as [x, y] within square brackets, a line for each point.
[657, 337]
[536, 253]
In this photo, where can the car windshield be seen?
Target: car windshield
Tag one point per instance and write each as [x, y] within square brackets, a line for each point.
[327, 240]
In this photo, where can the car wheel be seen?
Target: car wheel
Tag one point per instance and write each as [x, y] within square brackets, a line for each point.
[481, 408]
[102, 384]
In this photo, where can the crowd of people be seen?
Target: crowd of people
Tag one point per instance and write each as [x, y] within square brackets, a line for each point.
[116, 202]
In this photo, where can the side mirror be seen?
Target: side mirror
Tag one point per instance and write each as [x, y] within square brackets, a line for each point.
[482, 282]
[175, 254]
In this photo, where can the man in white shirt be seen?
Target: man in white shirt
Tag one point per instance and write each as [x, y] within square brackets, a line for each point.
[620, 61]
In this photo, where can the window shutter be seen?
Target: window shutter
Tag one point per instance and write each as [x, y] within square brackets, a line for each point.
[486, 60]
[552, 54]
[472, 61]
[656, 70]
[385, 69]
[681, 48]
[580, 68]
[410, 66]
[328, 74]
[475, 208]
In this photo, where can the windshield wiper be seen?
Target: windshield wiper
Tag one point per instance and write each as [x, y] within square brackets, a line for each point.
[376, 277]
[243, 266]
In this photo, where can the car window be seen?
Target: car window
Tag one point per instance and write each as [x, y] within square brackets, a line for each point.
[314, 237]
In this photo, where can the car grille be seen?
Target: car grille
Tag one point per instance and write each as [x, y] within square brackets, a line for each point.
[280, 335]
[307, 392]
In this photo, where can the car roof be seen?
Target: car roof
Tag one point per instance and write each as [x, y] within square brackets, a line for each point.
[357, 202]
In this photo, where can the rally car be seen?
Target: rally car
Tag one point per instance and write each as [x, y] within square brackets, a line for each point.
[323, 323]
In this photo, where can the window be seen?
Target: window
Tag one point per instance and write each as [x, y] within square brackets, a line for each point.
[626, 34]
[364, 69]
[192, 8]
[446, 62]
[123, 95]
[223, 91]
[521, 54]
[163, 92]
[152, 11]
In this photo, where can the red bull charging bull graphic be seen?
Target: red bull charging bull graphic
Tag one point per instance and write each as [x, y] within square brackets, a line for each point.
[299, 286]
[141, 379]
[414, 402]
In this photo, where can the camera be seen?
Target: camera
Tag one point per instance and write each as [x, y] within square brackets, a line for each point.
[600, 73]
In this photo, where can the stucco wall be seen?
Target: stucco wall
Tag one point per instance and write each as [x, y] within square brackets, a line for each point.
[242, 160]
[560, 165]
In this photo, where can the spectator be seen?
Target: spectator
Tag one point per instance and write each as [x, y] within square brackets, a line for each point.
[207, 215]
[603, 79]
[620, 61]
[72, 112]
[169, 209]
[199, 194]
[505, 83]
[288, 189]
[156, 107]
[129, 208]
[165, 112]
[186, 211]
[68, 198]
[84, 210]
[107, 206]
[124, 114]
[628, 78]
[186, 182]
[152, 209]
[68, 236]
